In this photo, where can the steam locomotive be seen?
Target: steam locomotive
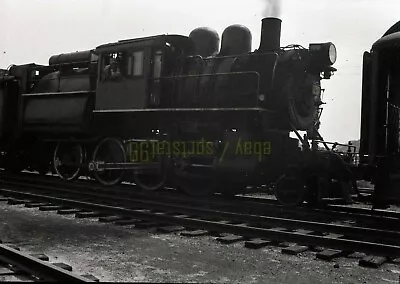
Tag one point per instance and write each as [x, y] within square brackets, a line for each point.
[172, 110]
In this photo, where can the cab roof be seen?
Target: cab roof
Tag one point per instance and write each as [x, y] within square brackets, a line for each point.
[176, 40]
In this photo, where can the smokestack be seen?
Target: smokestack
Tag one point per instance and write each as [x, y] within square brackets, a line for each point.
[270, 34]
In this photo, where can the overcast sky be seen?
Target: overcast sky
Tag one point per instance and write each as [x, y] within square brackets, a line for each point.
[33, 30]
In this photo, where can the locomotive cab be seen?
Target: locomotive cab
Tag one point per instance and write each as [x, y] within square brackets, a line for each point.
[133, 82]
[130, 70]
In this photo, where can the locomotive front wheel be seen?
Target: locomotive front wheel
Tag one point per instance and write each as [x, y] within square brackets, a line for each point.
[290, 191]
[109, 151]
[67, 160]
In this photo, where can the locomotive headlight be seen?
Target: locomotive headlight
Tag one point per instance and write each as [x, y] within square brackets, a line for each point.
[323, 53]
[332, 54]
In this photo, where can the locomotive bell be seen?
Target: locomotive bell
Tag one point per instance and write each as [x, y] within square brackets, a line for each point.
[270, 35]
[236, 39]
[206, 41]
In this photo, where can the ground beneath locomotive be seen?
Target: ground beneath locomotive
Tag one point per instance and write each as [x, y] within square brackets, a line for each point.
[114, 253]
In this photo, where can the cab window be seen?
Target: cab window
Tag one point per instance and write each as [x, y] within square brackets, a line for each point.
[113, 65]
[135, 64]
[157, 64]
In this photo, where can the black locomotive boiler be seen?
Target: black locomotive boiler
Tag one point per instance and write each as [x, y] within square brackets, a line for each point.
[170, 110]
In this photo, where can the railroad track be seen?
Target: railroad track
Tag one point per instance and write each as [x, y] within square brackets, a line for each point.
[16, 265]
[244, 204]
[171, 195]
[232, 225]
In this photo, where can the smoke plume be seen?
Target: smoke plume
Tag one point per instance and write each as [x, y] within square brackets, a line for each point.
[272, 8]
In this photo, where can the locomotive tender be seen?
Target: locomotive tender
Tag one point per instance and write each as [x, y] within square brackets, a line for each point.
[172, 109]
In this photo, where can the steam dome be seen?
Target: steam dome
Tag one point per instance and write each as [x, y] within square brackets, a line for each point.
[236, 39]
[206, 41]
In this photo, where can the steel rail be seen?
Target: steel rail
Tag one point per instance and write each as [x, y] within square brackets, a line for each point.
[241, 203]
[38, 268]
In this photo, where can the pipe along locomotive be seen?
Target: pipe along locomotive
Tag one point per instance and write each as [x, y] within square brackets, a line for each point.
[179, 111]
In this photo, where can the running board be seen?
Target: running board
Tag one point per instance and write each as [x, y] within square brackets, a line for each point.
[101, 166]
